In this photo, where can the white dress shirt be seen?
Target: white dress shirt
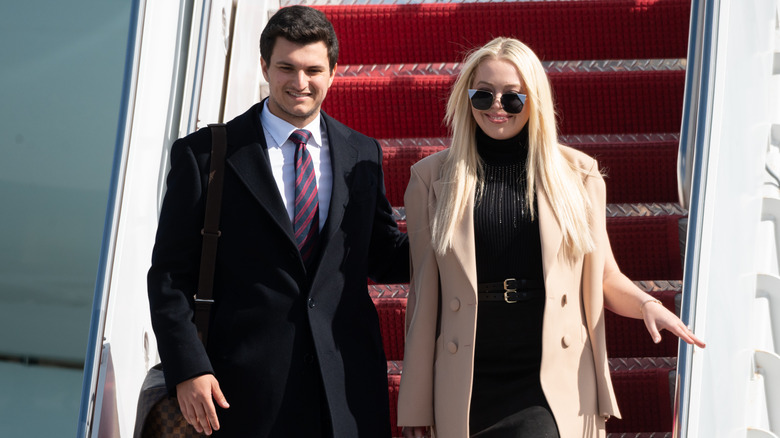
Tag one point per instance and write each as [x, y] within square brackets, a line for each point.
[281, 153]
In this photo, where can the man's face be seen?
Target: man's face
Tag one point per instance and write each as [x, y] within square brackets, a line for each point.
[299, 77]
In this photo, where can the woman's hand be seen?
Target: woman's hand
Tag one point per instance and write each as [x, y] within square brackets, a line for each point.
[657, 318]
[416, 432]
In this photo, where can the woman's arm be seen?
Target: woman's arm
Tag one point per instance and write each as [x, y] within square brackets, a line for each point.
[621, 295]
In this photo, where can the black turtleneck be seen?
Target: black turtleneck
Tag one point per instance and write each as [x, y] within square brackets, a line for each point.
[508, 346]
[507, 240]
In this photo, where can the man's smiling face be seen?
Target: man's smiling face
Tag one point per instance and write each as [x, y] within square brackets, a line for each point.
[299, 77]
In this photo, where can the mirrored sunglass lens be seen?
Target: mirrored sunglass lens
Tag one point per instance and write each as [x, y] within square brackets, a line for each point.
[482, 100]
[511, 103]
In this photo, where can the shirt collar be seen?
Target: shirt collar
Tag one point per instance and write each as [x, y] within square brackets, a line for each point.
[280, 130]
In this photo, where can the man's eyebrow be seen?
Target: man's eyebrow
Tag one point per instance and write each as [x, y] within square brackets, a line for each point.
[282, 63]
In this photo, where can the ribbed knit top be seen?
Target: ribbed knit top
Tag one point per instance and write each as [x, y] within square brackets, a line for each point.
[506, 239]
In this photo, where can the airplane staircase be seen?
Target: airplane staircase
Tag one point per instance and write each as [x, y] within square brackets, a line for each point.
[617, 69]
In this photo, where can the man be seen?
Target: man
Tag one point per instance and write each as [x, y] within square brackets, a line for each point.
[294, 343]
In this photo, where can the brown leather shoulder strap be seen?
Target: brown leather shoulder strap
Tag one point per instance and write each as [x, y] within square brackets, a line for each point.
[204, 295]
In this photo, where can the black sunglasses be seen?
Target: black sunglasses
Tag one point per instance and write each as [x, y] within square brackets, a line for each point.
[511, 102]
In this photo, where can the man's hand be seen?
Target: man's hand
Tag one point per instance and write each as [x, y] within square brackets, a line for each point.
[196, 400]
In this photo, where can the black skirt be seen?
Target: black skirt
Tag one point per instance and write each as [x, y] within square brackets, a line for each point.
[507, 399]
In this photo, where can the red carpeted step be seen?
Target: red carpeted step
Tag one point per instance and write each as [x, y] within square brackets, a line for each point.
[636, 171]
[390, 302]
[390, 106]
[628, 337]
[647, 247]
[642, 389]
[636, 168]
[398, 157]
[394, 369]
[644, 247]
[601, 102]
[596, 29]
[643, 395]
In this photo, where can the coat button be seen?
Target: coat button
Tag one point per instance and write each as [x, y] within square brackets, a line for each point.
[308, 358]
[312, 304]
[452, 347]
[566, 341]
[564, 300]
[455, 304]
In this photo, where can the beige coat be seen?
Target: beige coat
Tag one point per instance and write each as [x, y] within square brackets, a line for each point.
[439, 358]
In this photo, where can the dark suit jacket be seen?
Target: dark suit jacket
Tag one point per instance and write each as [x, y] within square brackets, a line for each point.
[279, 335]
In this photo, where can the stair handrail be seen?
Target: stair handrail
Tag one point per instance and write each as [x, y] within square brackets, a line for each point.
[691, 176]
[699, 75]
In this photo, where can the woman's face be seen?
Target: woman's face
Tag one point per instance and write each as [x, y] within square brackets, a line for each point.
[498, 77]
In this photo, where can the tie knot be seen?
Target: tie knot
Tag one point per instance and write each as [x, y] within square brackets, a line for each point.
[300, 137]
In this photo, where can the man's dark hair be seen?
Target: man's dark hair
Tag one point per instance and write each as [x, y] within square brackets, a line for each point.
[301, 25]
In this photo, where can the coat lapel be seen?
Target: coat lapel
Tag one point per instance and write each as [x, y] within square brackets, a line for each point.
[247, 156]
[549, 230]
[343, 156]
[463, 248]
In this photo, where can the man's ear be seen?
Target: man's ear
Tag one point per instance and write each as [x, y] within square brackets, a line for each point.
[264, 68]
[332, 74]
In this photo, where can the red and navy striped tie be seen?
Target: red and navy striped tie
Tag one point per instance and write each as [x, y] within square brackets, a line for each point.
[306, 222]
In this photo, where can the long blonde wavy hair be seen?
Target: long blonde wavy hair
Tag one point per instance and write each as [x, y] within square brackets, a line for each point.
[462, 172]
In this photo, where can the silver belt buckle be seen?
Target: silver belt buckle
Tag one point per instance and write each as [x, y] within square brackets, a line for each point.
[510, 286]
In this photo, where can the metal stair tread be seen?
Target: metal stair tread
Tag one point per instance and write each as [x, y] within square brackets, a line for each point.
[613, 210]
[554, 67]
[571, 140]
[622, 364]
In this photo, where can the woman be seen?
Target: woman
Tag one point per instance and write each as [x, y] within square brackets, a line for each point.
[509, 222]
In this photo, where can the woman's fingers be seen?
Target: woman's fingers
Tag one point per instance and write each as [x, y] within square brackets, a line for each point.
[653, 329]
[684, 333]
[659, 318]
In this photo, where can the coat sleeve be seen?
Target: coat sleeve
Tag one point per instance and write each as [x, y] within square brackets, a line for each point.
[389, 253]
[173, 276]
[415, 398]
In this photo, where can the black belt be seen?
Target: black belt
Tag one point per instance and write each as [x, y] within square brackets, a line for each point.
[510, 290]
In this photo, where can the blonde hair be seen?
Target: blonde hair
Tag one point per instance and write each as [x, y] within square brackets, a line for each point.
[462, 171]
